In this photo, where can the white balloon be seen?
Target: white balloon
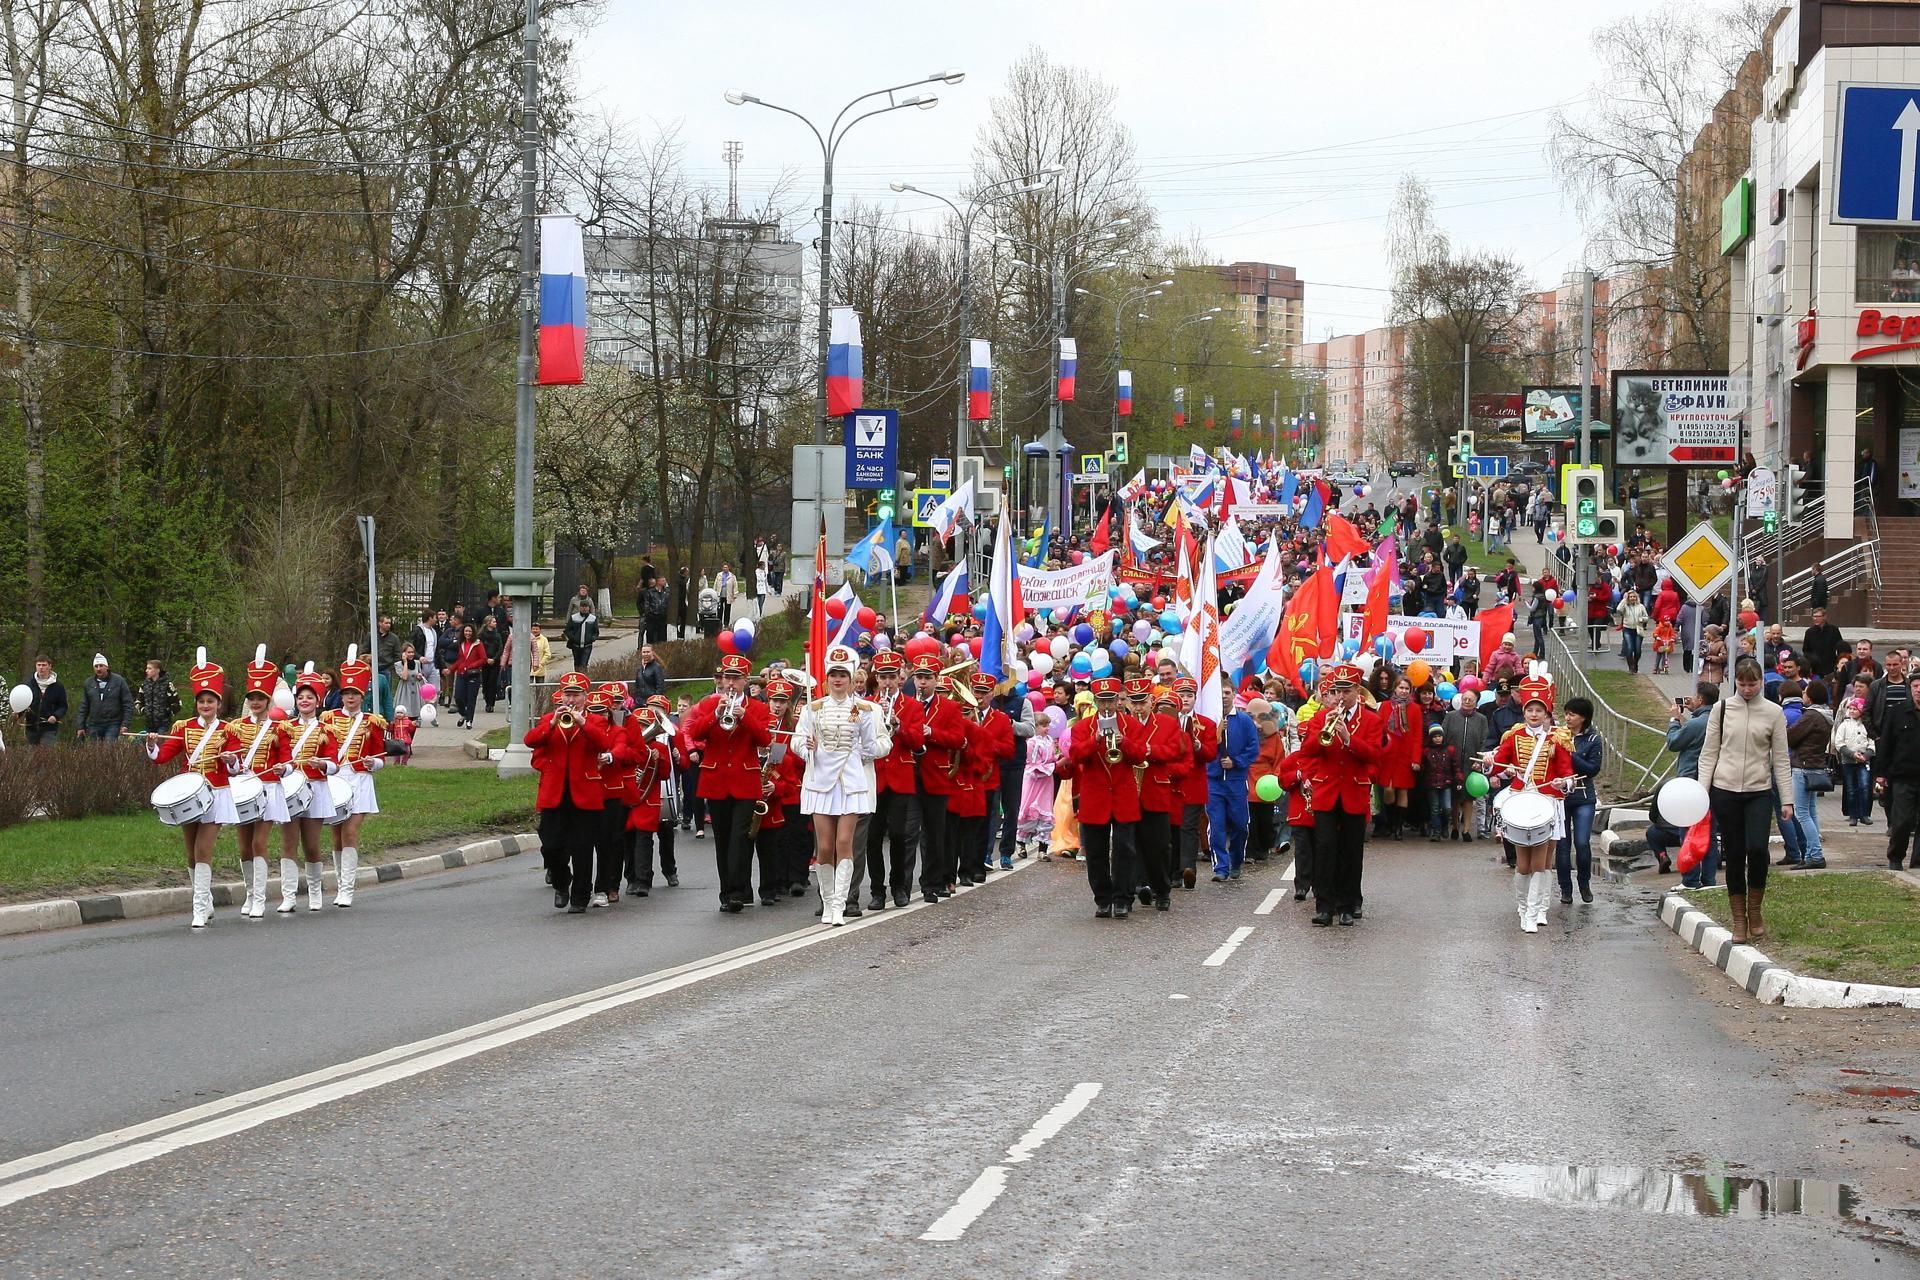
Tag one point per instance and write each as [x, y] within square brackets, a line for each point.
[20, 697]
[428, 713]
[745, 624]
[1683, 802]
[1019, 671]
[1060, 647]
[282, 696]
[1042, 662]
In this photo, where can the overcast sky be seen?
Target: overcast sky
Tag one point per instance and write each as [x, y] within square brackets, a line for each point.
[1274, 131]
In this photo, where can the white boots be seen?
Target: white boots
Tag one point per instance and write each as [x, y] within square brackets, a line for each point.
[202, 894]
[256, 904]
[289, 885]
[349, 869]
[1532, 892]
[316, 885]
[835, 882]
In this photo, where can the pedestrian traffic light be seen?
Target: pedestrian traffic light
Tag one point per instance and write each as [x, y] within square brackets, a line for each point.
[1789, 501]
[883, 505]
[1583, 490]
[1120, 447]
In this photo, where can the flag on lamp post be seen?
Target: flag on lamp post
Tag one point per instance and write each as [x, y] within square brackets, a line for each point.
[844, 371]
[1069, 363]
[980, 381]
[1179, 406]
[1209, 413]
[563, 302]
[1123, 401]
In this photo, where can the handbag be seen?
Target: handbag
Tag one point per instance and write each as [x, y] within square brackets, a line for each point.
[1818, 781]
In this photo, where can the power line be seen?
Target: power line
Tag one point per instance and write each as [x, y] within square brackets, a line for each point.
[252, 359]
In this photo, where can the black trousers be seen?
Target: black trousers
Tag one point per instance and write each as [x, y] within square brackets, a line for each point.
[1745, 820]
[1111, 858]
[732, 851]
[610, 848]
[797, 846]
[770, 848]
[1190, 819]
[1012, 783]
[490, 683]
[888, 826]
[1153, 840]
[933, 838]
[567, 834]
[1303, 838]
[640, 845]
[1903, 814]
[1339, 848]
[967, 841]
[1260, 833]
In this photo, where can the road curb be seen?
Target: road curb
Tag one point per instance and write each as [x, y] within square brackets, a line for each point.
[138, 904]
[1761, 978]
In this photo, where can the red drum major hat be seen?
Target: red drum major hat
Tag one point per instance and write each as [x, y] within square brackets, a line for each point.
[887, 660]
[575, 680]
[599, 703]
[1139, 687]
[1536, 689]
[616, 693]
[206, 677]
[262, 676]
[735, 664]
[1186, 684]
[356, 672]
[984, 683]
[928, 662]
[1106, 687]
[1344, 673]
[659, 702]
[310, 679]
[779, 687]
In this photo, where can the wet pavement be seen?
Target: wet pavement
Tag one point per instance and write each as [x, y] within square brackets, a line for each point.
[1005, 1086]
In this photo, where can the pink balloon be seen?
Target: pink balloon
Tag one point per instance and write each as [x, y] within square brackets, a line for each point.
[429, 691]
[1034, 680]
[1038, 699]
[973, 646]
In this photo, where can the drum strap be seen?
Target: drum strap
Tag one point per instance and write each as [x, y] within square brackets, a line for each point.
[300, 747]
[200, 748]
[1534, 758]
[253, 752]
[353, 731]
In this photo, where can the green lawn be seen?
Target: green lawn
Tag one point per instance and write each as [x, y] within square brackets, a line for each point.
[1477, 556]
[1855, 926]
[41, 859]
[1635, 695]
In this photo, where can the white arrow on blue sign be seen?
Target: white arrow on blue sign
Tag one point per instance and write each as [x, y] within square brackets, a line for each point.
[1877, 154]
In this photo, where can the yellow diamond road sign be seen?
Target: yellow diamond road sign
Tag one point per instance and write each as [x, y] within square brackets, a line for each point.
[1701, 562]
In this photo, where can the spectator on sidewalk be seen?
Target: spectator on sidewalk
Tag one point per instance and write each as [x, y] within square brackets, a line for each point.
[583, 628]
[426, 640]
[1854, 748]
[650, 678]
[159, 700]
[760, 592]
[409, 673]
[388, 652]
[682, 602]
[540, 653]
[1896, 770]
[1890, 688]
[1743, 765]
[106, 703]
[652, 602]
[1823, 644]
[729, 588]
[493, 642]
[1809, 739]
[1634, 621]
[468, 671]
[446, 650]
[48, 709]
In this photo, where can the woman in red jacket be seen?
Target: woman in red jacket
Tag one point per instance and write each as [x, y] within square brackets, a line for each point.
[469, 668]
[1399, 765]
[1537, 762]
[1599, 613]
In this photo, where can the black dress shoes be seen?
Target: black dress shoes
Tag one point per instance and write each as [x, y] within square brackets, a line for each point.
[1322, 918]
[1348, 917]
[1103, 912]
[559, 899]
[853, 911]
[930, 897]
[1146, 895]
[1122, 909]
[1162, 903]
[878, 902]
[901, 897]
[1299, 895]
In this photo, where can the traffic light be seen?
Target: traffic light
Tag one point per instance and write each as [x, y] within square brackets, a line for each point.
[1458, 452]
[883, 505]
[1120, 447]
[1584, 490]
[1789, 502]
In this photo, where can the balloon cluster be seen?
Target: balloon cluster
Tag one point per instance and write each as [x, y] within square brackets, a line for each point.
[740, 639]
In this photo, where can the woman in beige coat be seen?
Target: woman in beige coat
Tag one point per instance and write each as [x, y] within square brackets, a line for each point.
[1743, 764]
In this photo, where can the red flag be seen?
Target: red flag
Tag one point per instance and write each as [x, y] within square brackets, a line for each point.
[1343, 540]
[817, 616]
[1494, 623]
[1374, 620]
[1309, 627]
[1101, 538]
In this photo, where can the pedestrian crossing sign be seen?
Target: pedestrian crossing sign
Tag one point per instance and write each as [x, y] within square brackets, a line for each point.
[924, 501]
[1093, 464]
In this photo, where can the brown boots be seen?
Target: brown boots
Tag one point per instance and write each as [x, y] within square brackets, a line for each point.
[1756, 926]
[1737, 903]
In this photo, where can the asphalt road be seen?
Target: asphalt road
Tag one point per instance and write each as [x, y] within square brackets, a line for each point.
[1043, 1093]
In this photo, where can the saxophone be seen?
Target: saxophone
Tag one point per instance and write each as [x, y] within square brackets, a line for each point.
[767, 765]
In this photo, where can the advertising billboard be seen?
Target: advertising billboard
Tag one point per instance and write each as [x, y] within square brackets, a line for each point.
[1551, 415]
[1675, 419]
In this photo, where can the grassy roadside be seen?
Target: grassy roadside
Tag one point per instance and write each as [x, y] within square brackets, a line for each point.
[1635, 695]
[1855, 926]
[48, 858]
[1488, 565]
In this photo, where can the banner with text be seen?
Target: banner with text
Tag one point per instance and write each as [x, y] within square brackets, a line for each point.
[1447, 642]
[1065, 588]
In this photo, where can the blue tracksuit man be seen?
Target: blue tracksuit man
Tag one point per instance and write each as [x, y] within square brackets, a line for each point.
[1227, 793]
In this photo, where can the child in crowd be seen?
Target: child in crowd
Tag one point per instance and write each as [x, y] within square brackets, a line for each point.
[1035, 820]
[1854, 745]
[1663, 642]
[1440, 772]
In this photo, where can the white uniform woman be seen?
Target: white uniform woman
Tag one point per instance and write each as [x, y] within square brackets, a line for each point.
[839, 736]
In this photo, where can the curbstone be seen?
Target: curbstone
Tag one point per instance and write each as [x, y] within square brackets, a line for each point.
[139, 904]
[1753, 972]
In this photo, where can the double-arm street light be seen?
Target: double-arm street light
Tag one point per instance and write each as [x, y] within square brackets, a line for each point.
[1005, 189]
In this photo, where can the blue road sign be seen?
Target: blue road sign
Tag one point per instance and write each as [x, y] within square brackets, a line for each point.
[873, 442]
[1487, 466]
[1877, 154]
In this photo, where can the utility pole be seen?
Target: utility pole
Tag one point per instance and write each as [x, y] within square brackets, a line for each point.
[1586, 410]
[1060, 478]
[1466, 424]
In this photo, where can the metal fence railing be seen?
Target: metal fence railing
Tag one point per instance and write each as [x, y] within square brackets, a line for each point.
[1858, 564]
[1636, 761]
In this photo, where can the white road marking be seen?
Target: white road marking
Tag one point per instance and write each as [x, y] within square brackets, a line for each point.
[986, 1188]
[1288, 873]
[1228, 947]
[90, 1158]
[1177, 996]
[1268, 903]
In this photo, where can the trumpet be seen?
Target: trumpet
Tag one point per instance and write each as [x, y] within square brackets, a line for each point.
[566, 719]
[731, 709]
[1114, 755]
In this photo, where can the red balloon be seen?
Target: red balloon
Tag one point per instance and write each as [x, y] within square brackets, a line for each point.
[866, 617]
[1416, 639]
[1034, 679]
[973, 646]
[836, 607]
[277, 713]
[725, 641]
[1159, 602]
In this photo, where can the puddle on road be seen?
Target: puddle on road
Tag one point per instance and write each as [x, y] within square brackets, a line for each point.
[1690, 1195]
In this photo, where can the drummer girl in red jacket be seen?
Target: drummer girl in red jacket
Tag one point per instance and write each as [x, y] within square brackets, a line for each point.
[207, 745]
[312, 756]
[1538, 763]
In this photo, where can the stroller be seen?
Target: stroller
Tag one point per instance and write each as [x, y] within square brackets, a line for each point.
[709, 612]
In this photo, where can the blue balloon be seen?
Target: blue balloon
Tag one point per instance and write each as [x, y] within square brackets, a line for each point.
[980, 609]
[1446, 691]
[1568, 596]
[1082, 664]
[1428, 613]
[1351, 648]
[743, 641]
[1383, 645]
[1119, 648]
[1169, 623]
[1083, 634]
[1309, 672]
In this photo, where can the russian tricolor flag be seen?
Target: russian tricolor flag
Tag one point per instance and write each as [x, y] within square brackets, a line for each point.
[1003, 603]
[980, 381]
[951, 595]
[1069, 363]
[1179, 406]
[1124, 403]
[563, 302]
[844, 373]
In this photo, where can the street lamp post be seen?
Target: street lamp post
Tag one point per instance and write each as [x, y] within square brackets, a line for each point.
[1134, 297]
[829, 147]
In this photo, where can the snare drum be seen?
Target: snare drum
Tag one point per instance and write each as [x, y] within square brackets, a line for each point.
[340, 791]
[183, 798]
[298, 790]
[249, 798]
[1529, 818]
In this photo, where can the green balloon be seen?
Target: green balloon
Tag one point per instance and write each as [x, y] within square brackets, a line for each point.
[1477, 785]
[1268, 788]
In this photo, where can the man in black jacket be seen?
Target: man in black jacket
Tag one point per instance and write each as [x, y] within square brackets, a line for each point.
[106, 703]
[1823, 645]
[682, 601]
[48, 710]
[650, 679]
[494, 641]
[1896, 770]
